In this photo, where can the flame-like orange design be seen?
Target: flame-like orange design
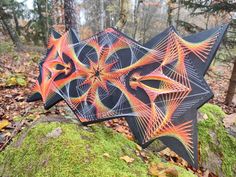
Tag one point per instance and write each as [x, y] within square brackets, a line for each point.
[156, 87]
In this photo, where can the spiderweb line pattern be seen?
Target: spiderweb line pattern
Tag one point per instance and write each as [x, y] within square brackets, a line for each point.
[110, 75]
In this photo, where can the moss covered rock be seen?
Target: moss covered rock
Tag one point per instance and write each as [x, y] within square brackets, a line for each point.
[60, 149]
[217, 146]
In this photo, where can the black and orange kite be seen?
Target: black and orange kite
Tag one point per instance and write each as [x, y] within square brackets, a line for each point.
[157, 87]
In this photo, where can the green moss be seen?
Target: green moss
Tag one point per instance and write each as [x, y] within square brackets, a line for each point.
[20, 118]
[220, 142]
[76, 152]
[16, 80]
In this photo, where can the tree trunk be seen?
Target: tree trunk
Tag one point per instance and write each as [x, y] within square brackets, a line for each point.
[169, 13]
[108, 20]
[42, 21]
[54, 12]
[16, 23]
[102, 15]
[70, 15]
[11, 31]
[136, 10]
[232, 86]
[207, 22]
[178, 14]
[124, 8]
[146, 24]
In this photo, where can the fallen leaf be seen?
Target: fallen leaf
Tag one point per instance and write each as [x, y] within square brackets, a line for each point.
[184, 163]
[21, 81]
[229, 120]
[168, 152]
[139, 147]
[143, 154]
[171, 172]
[106, 155]
[154, 170]
[2, 112]
[160, 170]
[205, 116]
[4, 123]
[206, 173]
[120, 129]
[7, 134]
[131, 138]
[127, 159]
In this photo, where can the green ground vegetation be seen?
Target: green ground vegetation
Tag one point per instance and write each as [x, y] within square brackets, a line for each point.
[78, 151]
[214, 137]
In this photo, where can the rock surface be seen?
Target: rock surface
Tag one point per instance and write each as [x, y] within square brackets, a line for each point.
[64, 150]
[230, 124]
[217, 145]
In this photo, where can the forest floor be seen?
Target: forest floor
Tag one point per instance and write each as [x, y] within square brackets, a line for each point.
[18, 73]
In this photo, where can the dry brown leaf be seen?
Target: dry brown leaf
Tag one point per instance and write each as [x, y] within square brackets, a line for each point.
[7, 134]
[127, 159]
[205, 116]
[120, 129]
[168, 152]
[229, 120]
[153, 170]
[171, 172]
[137, 152]
[160, 170]
[106, 155]
[139, 147]
[184, 163]
[4, 123]
[130, 137]
[206, 173]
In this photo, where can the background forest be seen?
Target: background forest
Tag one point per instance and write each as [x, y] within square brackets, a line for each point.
[24, 31]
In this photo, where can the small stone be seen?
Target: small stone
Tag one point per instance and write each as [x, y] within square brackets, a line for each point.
[205, 116]
[230, 124]
[201, 116]
[55, 133]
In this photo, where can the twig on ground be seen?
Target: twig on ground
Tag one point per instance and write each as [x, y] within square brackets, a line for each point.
[14, 133]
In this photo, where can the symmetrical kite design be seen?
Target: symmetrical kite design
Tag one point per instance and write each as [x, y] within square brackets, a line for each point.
[157, 87]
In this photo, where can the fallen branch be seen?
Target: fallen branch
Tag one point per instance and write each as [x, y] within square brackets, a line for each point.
[14, 133]
[41, 120]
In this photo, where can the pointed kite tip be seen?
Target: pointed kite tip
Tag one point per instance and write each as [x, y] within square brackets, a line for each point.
[54, 33]
[74, 36]
[34, 97]
[52, 101]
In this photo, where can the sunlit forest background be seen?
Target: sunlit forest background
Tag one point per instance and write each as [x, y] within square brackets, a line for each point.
[24, 29]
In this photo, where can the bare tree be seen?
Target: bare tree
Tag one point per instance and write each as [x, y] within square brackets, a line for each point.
[4, 17]
[169, 12]
[147, 18]
[102, 15]
[124, 9]
[136, 10]
[232, 86]
[70, 15]
[178, 14]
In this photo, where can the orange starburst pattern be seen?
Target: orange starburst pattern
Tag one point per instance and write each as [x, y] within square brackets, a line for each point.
[157, 87]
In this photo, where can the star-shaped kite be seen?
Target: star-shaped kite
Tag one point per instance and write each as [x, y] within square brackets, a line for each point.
[157, 87]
